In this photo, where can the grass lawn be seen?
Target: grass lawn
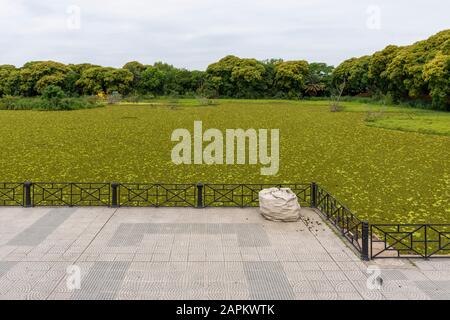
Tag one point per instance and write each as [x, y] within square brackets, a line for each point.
[382, 175]
[428, 123]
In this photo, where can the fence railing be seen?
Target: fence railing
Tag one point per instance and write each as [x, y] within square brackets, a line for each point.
[246, 195]
[12, 194]
[410, 240]
[67, 194]
[353, 229]
[153, 195]
[385, 240]
[141, 194]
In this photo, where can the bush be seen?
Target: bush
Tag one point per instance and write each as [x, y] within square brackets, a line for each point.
[53, 92]
[18, 103]
[205, 101]
[49, 104]
[373, 116]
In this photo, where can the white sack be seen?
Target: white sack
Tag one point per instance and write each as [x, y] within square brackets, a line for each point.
[279, 204]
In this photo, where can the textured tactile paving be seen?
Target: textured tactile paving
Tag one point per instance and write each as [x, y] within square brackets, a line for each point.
[248, 235]
[5, 266]
[435, 290]
[103, 281]
[267, 280]
[42, 228]
[392, 275]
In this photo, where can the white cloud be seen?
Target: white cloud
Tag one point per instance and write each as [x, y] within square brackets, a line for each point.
[194, 33]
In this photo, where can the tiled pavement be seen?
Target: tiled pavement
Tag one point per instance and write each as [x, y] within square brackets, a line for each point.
[170, 253]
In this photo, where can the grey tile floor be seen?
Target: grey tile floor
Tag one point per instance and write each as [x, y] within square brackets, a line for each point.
[178, 253]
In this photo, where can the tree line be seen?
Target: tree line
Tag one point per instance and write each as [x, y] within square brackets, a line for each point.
[230, 77]
[420, 71]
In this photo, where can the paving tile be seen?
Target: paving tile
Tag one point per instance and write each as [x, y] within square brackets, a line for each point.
[183, 253]
[349, 296]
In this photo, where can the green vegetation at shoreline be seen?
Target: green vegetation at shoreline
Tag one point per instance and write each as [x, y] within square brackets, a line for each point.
[52, 99]
[418, 74]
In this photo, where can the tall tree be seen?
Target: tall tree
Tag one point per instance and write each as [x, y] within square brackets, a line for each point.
[236, 77]
[318, 80]
[136, 68]
[152, 81]
[35, 76]
[6, 71]
[354, 72]
[290, 77]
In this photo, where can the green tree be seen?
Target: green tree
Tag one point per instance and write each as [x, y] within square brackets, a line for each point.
[407, 69]
[35, 76]
[5, 74]
[168, 81]
[80, 68]
[437, 74]
[105, 80]
[187, 82]
[136, 68]
[74, 74]
[118, 80]
[248, 78]
[269, 76]
[52, 92]
[354, 72]
[12, 84]
[290, 77]
[318, 80]
[236, 77]
[198, 78]
[377, 73]
[92, 80]
[152, 81]
[220, 73]
[70, 80]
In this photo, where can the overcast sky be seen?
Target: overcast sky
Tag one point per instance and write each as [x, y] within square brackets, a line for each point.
[194, 33]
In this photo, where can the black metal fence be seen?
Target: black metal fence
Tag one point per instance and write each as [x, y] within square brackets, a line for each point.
[153, 195]
[410, 240]
[353, 229]
[246, 195]
[12, 194]
[66, 194]
[141, 194]
[371, 241]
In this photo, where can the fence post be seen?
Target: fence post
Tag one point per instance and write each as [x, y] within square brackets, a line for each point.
[313, 195]
[365, 241]
[114, 194]
[199, 195]
[27, 190]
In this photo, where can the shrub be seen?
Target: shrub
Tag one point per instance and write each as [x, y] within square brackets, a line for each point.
[19, 103]
[52, 104]
[205, 101]
[373, 116]
[53, 92]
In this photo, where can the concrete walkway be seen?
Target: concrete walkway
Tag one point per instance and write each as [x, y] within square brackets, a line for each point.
[177, 253]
